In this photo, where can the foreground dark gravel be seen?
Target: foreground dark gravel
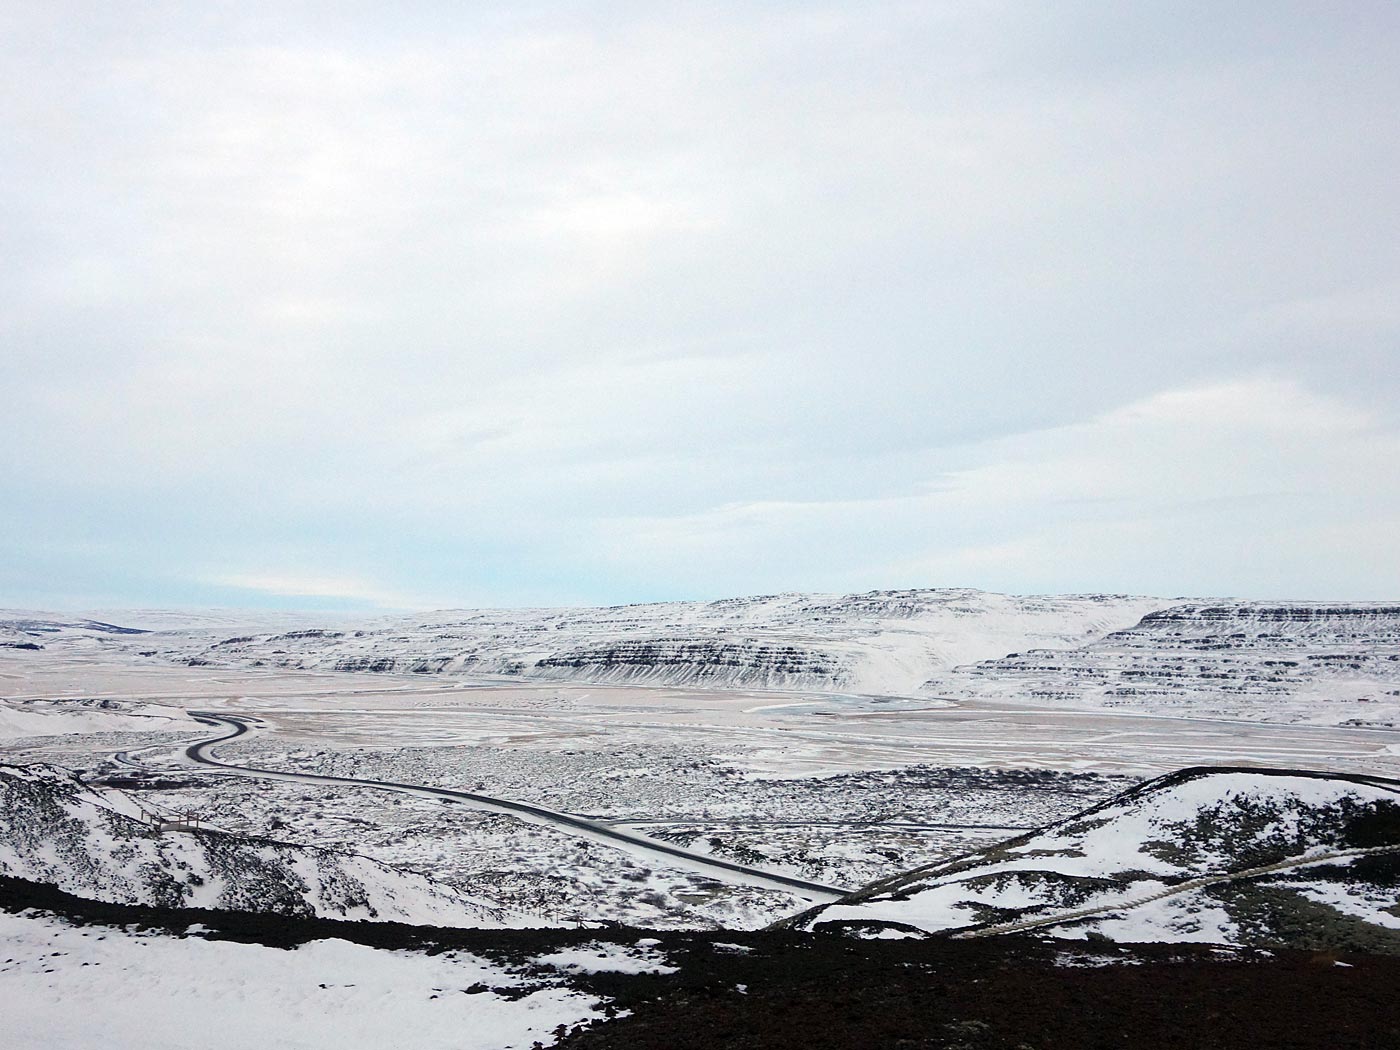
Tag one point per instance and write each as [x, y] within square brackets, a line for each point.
[780, 989]
[1012, 994]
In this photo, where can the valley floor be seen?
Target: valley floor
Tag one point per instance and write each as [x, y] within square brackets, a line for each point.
[648, 950]
[837, 790]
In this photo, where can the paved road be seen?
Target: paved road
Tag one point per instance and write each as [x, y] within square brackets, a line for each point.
[864, 825]
[715, 867]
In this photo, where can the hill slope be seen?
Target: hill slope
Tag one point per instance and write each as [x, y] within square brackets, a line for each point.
[1239, 856]
[100, 844]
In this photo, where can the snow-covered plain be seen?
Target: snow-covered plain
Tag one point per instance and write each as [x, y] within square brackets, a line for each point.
[818, 781]
[839, 739]
[84, 715]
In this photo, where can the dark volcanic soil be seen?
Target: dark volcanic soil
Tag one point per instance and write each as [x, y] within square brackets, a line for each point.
[802, 991]
[827, 993]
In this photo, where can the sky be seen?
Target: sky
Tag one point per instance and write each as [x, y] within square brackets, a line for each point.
[368, 306]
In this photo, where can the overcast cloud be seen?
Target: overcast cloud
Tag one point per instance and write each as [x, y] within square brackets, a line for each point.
[343, 305]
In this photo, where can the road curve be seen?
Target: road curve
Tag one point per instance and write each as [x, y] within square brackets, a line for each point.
[717, 867]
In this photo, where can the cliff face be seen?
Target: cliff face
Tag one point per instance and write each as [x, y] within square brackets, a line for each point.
[1304, 661]
[688, 662]
[1334, 618]
[100, 844]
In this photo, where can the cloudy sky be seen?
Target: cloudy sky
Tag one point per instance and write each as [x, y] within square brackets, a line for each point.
[369, 305]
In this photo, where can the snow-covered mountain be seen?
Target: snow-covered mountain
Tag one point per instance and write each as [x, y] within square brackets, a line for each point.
[1336, 663]
[31, 631]
[878, 642]
[101, 844]
[1221, 855]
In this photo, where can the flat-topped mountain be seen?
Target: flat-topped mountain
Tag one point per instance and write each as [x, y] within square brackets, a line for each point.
[1336, 663]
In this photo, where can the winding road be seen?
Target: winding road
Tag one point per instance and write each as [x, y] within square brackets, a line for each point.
[716, 867]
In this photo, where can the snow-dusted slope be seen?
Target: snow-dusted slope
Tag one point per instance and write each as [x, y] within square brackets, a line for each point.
[101, 844]
[1155, 864]
[1336, 663]
[33, 632]
[880, 642]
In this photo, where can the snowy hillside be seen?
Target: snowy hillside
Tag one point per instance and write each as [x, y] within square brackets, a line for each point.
[879, 642]
[100, 843]
[1226, 856]
[1302, 661]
